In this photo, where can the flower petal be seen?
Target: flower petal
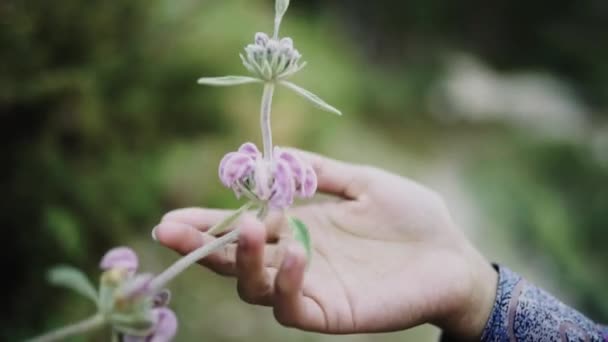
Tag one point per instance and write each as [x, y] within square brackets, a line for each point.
[250, 149]
[283, 188]
[234, 166]
[298, 167]
[120, 257]
[166, 325]
[309, 187]
[261, 38]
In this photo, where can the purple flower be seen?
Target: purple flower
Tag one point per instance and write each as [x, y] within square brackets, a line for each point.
[277, 181]
[165, 327]
[131, 296]
[120, 257]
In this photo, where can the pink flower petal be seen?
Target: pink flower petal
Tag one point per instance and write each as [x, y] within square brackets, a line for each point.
[235, 166]
[166, 325]
[120, 257]
[298, 167]
[250, 149]
[284, 188]
[309, 187]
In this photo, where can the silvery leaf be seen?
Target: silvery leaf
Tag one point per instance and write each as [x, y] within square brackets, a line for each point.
[225, 225]
[73, 279]
[311, 97]
[227, 81]
[281, 7]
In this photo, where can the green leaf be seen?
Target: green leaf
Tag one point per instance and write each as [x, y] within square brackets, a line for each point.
[317, 101]
[223, 226]
[227, 81]
[301, 235]
[74, 279]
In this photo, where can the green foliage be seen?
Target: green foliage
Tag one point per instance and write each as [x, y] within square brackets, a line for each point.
[104, 128]
[74, 279]
[551, 196]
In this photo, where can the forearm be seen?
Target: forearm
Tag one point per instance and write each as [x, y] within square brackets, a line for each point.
[523, 312]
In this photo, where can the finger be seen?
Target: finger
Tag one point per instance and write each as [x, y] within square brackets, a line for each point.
[184, 239]
[335, 177]
[203, 219]
[254, 281]
[291, 307]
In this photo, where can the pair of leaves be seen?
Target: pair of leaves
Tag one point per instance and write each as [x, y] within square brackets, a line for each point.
[240, 80]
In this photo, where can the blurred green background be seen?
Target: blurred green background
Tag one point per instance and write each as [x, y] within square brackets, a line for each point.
[500, 106]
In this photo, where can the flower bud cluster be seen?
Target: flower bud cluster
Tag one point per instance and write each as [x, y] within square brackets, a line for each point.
[128, 302]
[272, 59]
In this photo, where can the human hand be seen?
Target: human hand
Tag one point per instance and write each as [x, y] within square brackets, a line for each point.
[386, 256]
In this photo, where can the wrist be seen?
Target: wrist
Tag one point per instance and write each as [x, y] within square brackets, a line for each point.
[473, 306]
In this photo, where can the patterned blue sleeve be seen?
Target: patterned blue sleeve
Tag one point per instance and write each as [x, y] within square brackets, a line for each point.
[523, 312]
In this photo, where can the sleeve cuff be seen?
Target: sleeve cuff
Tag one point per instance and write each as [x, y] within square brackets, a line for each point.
[523, 312]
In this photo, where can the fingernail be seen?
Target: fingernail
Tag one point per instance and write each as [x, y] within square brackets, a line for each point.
[154, 234]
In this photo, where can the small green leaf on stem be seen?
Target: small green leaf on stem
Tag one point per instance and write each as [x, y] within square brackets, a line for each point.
[73, 279]
[225, 225]
[227, 81]
[317, 101]
[301, 235]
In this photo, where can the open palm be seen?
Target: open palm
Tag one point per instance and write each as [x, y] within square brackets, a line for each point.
[386, 257]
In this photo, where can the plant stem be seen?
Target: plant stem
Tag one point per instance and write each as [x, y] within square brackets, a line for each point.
[277, 25]
[182, 264]
[265, 119]
[87, 325]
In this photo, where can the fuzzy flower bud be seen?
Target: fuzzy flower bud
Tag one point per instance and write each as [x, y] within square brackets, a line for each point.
[272, 59]
[277, 181]
[120, 258]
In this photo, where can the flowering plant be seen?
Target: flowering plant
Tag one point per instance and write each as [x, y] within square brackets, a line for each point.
[135, 305]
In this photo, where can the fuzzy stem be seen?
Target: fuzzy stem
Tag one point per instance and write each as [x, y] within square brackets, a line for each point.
[60, 334]
[265, 119]
[277, 25]
[182, 264]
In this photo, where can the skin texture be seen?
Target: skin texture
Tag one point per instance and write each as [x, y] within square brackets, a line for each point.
[387, 256]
